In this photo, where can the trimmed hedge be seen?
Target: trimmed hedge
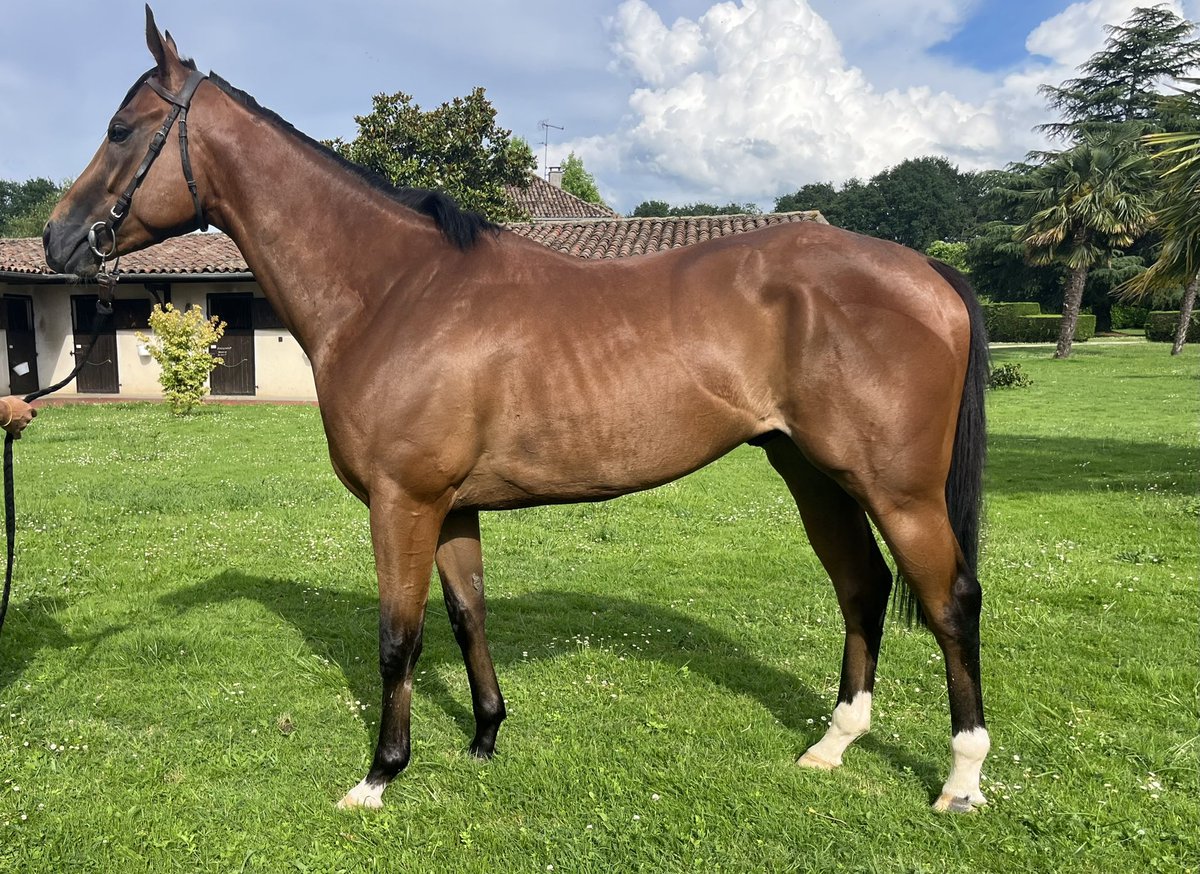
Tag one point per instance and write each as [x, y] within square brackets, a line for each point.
[1044, 329]
[1129, 317]
[1161, 325]
[1023, 322]
[1001, 319]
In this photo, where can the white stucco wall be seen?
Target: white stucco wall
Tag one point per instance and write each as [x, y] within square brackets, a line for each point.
[52, 328]
[5, 380]
[281, 368]
[137, 372]
[282, 371]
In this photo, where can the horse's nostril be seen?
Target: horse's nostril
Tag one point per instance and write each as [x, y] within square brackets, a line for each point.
[46, 236]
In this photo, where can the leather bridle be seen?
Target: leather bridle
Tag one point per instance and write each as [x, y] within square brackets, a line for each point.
[116, 215]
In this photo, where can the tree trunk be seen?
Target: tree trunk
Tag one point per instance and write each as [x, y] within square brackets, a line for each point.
[1072, 300]
[1185, 314]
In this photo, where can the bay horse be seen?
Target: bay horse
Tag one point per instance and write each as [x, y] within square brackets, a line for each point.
[463, 368]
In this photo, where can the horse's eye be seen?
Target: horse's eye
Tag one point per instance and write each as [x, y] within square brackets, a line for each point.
[118, 133]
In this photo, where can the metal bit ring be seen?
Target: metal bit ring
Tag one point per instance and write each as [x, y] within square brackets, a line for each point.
[94, 240]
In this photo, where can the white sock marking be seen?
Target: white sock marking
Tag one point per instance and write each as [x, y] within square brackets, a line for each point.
[970, 748]
[850, 722]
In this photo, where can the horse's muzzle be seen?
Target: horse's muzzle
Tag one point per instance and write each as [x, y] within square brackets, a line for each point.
[67, 250]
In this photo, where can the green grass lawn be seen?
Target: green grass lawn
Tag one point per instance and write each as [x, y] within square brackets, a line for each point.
[188, 671]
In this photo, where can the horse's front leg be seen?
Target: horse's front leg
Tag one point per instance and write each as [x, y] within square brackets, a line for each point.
[404, 533]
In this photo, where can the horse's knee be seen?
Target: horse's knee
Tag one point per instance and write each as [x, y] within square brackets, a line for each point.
[399, 649]
[466, 618]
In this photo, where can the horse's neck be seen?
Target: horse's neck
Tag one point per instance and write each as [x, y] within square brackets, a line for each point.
[311, 232]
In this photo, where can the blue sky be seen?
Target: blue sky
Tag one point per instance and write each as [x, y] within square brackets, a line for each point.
[679, 100]
[993, 38]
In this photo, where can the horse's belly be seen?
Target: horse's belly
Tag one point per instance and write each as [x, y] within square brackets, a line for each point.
[594, 461]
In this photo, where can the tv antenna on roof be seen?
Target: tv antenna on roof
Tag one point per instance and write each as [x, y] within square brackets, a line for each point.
[545, 125]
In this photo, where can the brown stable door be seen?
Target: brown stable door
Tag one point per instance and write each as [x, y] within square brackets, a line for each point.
[99, 374]
[235, 376]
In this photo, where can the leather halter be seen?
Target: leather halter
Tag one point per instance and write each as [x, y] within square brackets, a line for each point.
[179, 108]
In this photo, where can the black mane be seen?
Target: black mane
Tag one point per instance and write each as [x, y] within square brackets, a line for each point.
[460, 227]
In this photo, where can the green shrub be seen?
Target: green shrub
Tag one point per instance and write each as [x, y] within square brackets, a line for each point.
[1001, 319]
[1161, 325]
[954, 254]
[1023, 322]
[1129, 317]
[1009, 376]
[1045, 328]
[180, 346]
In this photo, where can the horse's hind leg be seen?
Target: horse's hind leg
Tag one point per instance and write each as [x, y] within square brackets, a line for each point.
[460, 566]
[918, 534]
[841, 536]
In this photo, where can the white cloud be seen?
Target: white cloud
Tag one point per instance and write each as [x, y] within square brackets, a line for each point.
[1072, 36]
[874, 23]
[651, 51]
[755, 97]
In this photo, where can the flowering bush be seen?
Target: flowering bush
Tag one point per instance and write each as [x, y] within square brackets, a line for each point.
[180, 346]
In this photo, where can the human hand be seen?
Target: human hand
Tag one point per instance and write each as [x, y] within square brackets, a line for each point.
[17, 414]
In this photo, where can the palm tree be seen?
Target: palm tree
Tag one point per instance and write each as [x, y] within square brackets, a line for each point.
[1178, 214]
[1085, 202]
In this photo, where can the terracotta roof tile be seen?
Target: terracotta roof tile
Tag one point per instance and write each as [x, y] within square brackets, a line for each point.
[206, 254]
[202, 255]
[542, 201]
[621, 238]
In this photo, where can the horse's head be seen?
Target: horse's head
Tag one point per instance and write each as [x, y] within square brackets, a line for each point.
[132, 195]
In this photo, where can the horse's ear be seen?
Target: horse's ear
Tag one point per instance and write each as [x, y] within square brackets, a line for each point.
[166, 56]
[154, 40]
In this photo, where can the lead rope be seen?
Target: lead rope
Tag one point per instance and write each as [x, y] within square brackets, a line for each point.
[103, 311]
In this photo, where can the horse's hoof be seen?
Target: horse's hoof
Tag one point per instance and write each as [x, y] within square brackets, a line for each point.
[811, 760]
[349, 802]
[958, 804]
[364, 796]
[483, 745]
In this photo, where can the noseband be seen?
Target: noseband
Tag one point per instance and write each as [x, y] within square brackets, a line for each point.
[179, 109]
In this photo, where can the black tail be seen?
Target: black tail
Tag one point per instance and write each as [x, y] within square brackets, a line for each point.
[964, 485]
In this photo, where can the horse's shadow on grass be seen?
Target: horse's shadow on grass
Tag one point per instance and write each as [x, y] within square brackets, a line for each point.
[1021, 464]
[31, 627]
[342, 627]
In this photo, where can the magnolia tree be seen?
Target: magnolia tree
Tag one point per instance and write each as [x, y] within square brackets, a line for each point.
[457, 148]
[180, 346]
